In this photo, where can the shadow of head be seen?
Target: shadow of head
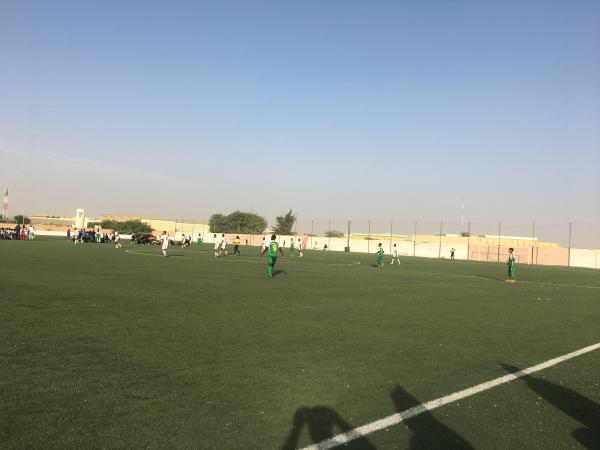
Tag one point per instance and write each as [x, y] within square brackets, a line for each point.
[570, 402]
[321, 423]
[427, 431]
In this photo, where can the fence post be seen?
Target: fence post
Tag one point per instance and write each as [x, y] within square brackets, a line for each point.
[499, 233]
[348, 238]
[415, 241]
[440, 246]
[469, 240]
[532, 240]
[369, 239]
[391, 234]
[569, 254]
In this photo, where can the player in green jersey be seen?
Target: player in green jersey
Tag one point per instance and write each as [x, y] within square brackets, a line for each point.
[380, 255]
[292, 247]
[510, 263]
[272, 251]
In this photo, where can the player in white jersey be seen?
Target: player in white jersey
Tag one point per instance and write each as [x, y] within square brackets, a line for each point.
[217, 245]
[264, 245]
[300, 254]
[223, 245]
[117, 240]
[164, 242]
[395, 255]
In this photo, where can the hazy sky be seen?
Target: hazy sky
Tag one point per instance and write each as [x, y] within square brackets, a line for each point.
[340, 109]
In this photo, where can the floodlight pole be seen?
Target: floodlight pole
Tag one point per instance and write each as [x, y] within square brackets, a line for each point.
[440, 246]
[468, 240]
[569, 254]
[499, 232]
[415, 241]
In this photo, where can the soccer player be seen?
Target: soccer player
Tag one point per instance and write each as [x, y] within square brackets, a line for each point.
[236, 246]
[272, 251]
[223, 245]
[452, 253]
[117, 240]
[164, 242]
[379, 254]
[263, 246]
[300, 254]
[510, 263]
[216, 242]
[292, 247]
[395, 255]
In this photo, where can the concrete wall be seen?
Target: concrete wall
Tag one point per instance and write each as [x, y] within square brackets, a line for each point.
[551, 255]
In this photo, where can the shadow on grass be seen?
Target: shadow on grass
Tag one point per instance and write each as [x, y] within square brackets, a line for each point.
[580, 408]
[426, 430]
[279, 272]
[323, 423]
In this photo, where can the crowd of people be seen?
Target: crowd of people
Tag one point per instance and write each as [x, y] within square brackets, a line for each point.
[84, 236]
[18, 233]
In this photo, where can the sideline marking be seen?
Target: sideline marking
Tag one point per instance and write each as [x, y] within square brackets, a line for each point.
[134, 252]
[481, 277]
[397, 418]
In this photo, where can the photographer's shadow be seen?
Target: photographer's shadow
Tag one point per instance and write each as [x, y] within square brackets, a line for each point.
[426, 431]
[580, 408]
[321, 423]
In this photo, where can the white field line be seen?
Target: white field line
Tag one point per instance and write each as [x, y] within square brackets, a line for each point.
[397, 418]
[134, 252]
[543, 283]
[358, 263]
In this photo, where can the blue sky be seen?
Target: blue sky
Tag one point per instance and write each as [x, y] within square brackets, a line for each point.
[337, 109]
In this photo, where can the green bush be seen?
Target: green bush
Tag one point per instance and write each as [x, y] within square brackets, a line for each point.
[127, 226]
[237, 222]
[20, 219]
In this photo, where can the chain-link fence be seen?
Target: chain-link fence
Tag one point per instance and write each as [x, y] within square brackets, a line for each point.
[568, 244]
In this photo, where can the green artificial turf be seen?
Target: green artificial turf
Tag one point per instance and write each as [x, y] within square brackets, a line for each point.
[104, 348]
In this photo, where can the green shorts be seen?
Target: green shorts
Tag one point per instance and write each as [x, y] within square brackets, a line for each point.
[272, 260]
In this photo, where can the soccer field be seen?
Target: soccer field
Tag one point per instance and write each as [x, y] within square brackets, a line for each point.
[126, 349]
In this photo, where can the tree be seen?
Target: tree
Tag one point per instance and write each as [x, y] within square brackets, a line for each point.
[465, 234]
[20, 219]
[217, 223]
[127, 227]
[334, 234]
[285, 223]
[237, 222]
